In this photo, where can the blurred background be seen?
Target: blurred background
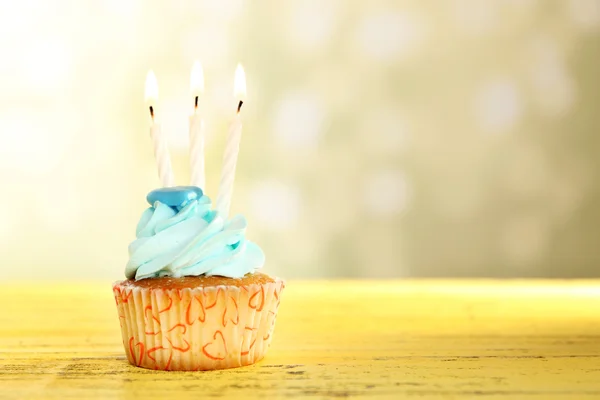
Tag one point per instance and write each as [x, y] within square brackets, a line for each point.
[381, 138]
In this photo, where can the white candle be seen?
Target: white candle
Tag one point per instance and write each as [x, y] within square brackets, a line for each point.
[232, 148]
[161, 150]
[197, 129]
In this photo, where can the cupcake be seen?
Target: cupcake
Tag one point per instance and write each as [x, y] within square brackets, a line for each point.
[194, 298]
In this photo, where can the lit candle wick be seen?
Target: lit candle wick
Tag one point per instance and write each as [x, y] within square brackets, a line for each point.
[161, 150]
[232, 148]
[197, 129]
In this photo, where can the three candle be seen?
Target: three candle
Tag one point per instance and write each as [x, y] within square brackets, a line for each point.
[196, 133]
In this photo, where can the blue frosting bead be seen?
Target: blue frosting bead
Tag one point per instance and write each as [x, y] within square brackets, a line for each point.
[177, 196]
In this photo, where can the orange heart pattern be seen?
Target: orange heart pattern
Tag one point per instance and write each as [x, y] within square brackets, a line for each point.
[161, 357]
[195, 311]
[197, 329]
[217, 351]
[136, 352]
[231, 313]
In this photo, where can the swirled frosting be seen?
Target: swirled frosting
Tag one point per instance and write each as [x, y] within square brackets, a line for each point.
[189, 241]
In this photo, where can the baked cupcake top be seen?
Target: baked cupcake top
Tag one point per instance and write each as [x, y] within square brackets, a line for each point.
[192, 282]
[181, 235]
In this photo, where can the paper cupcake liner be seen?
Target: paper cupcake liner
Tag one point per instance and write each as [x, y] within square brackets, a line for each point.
[203, 328]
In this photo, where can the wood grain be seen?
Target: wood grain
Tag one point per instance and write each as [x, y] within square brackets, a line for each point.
[397, 339]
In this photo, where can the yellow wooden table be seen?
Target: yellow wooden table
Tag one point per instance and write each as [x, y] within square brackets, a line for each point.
[397, 339]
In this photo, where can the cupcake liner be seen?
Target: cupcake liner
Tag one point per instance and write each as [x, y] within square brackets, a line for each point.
[203, 328]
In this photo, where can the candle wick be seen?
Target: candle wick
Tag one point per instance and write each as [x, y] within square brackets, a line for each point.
[240, 106]
[196, 102]
[152, 112]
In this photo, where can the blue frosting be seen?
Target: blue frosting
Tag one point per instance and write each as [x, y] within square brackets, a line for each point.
[190, 239]
[177, 196]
